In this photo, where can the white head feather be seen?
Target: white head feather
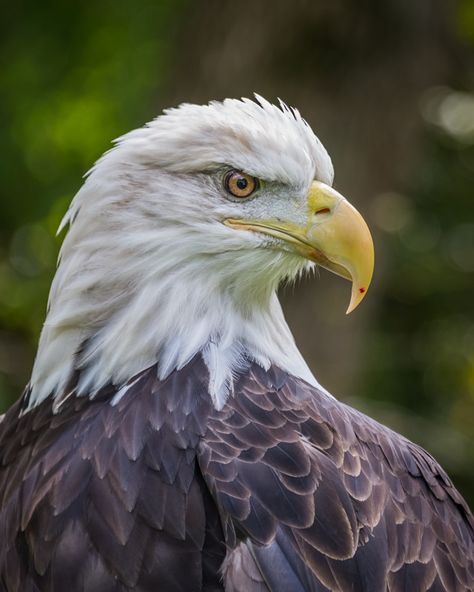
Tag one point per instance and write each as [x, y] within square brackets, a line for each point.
[148, 273]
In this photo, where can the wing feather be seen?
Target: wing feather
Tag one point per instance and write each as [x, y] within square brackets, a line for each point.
[328, 499]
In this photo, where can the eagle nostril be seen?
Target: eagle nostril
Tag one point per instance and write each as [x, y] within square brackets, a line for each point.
[322, 211]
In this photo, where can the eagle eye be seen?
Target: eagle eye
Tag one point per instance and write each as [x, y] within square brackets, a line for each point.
[240, 184]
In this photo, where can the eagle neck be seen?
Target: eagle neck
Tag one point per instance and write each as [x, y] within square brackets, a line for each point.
[166, 321]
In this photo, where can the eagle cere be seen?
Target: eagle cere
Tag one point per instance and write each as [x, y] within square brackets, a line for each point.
[172, 436]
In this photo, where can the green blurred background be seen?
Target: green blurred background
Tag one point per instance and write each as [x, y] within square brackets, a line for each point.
[389, 87]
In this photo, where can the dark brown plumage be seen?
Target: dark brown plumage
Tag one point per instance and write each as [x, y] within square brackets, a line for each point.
[301, 491]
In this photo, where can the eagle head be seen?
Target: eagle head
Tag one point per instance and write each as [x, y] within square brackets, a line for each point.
[178, 240]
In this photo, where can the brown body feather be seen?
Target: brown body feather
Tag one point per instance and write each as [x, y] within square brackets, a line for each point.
[284, 489]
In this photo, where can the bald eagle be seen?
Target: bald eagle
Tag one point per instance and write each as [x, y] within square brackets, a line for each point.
[172, 437]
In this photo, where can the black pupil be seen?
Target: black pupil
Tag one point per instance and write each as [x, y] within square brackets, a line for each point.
[242, 183]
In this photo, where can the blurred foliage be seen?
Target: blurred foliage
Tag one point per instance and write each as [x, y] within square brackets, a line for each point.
[73, 77]
[421, 347]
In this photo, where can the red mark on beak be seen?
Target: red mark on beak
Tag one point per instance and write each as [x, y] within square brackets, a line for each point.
[361, 290]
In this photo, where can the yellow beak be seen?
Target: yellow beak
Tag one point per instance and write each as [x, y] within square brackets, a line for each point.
[335, 236]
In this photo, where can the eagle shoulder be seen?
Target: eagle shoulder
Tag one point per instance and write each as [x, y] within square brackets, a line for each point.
[344, 502]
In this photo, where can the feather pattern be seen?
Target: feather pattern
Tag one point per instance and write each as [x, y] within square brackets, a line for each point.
[109, 497]
[282, 489]
[327, 499]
